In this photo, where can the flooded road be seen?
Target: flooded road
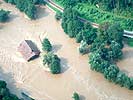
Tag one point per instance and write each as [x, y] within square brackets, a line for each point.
[31, 78]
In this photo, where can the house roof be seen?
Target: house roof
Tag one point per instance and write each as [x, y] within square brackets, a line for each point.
[28, 49]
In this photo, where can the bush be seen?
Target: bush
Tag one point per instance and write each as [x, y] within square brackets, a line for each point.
[4, 15]
[46, 45]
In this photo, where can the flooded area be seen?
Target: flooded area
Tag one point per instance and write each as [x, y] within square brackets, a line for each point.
[31, 78]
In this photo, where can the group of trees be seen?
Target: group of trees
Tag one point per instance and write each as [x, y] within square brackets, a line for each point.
[4, 15]
[105, 45]
[105, 51]
[26, 6]
[75, 28]
[50, 59]
[5, 93]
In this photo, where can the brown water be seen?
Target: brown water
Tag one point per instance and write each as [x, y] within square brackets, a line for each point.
[31, 78]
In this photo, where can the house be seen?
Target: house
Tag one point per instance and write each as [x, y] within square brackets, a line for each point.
[28, 50]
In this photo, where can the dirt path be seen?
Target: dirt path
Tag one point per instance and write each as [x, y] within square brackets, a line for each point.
[31, 77]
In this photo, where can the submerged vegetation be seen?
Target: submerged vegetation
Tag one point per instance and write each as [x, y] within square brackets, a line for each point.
[4, 15]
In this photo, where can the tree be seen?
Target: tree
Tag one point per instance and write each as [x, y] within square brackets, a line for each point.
[31, 11]
[76, 96]
[116, 50]
[4, 15]
[46, 45]
[84, 48]
[110, 73]
[53, 62]
[97, 63]
[88, 33]
[55, 65]
[115, 33]
[79, 37]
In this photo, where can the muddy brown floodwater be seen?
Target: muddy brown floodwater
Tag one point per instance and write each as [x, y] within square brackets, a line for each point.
[31, 78]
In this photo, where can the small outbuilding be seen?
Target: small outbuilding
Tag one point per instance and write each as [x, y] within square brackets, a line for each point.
[28, 50]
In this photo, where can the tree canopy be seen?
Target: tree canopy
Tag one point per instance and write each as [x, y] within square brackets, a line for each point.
[4, 15]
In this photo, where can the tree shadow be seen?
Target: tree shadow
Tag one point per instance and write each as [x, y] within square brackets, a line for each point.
[41, 12]
[56, 47]
[11, 17]
[1, 27]
[82, 97]
[127, 54]
[64, 65]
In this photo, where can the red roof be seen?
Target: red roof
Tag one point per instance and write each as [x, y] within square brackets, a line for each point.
[28, 50]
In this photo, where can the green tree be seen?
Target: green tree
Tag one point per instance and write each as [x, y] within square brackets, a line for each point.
[76, 96]
[46, 45]
[53, 62]
[4, 15]
[79, 37]
[115, 33]
[97, 63]
[84, 48]
[116, 50]
[110, 73]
